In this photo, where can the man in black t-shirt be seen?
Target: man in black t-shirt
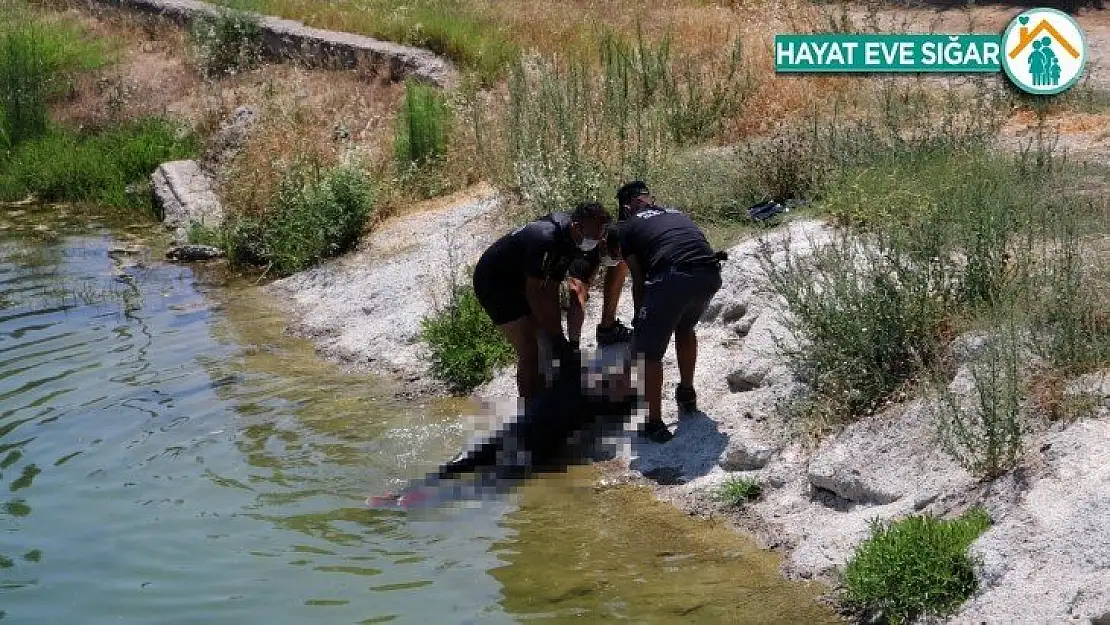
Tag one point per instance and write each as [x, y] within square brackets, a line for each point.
[675, 273]
[517, 282]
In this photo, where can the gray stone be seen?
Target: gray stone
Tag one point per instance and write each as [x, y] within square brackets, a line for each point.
[193, 253]
[743, 455]
[232, 135]
[186, 195]
[741, 382]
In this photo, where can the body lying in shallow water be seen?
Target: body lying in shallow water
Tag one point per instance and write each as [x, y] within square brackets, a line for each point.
[587, 401]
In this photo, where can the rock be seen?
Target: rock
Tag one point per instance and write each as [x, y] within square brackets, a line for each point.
[231, 136]
[1045, 561]
[192, 253]
[742, 455]
[186, 194]
[880, 460]
[738, 382]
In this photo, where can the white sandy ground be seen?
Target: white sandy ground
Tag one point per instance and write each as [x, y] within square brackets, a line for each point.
[1046, 559]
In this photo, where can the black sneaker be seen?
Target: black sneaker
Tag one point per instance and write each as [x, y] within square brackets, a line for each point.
[616, 333]
[656, 431]
[686, 399]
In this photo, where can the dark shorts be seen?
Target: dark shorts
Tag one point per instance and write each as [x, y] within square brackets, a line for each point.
[673, 301]
[502, 299]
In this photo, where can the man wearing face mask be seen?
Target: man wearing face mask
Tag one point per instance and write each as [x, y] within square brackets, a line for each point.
[517, 282]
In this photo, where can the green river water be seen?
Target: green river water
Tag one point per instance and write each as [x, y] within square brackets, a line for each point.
[168, 456]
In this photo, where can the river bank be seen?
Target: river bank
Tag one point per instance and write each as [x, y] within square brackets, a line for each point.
[819, 501]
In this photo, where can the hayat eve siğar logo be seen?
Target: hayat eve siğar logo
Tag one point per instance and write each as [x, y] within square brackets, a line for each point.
[1044, 51]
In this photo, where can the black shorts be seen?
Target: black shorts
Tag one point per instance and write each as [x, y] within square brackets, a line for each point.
[503, 299]
[675, 300]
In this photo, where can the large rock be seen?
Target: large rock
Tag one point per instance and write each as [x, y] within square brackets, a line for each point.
[1048, 561]
[888, 457]
[186, 194]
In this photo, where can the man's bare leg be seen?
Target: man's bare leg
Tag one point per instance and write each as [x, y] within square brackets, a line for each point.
[521, 333]
[686, 350]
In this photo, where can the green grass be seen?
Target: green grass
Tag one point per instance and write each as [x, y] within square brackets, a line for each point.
[736, 491]
[914, 567]
[420, 139]
[65, 166]
[465, 346]
[37, 59]
[447, 27]
[318, 213]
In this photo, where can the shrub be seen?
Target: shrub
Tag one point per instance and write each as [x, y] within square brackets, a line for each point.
[465, 345]
[99, 167]
[737, 490]
[868, 318]
[914, 567]
[227, 43]
[986, 437]
[317, 213]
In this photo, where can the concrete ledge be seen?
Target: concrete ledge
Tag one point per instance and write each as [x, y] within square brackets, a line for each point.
[291, 40]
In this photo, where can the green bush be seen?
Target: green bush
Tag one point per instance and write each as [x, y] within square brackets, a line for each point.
[868, 318]
[737, 490]
[227, 43]
[914, 567]
[318, 213]
[65, 166]
[465, 345]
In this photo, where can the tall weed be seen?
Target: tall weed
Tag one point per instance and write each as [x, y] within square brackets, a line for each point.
[984, 431]
[421, 139]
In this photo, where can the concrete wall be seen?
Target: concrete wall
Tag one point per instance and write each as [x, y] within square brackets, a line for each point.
[292, 40]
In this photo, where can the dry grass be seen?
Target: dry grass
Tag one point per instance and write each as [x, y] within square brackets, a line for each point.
[318, 114]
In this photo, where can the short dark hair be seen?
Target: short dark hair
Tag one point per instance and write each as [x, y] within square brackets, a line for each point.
[591, 211]
[631, 191]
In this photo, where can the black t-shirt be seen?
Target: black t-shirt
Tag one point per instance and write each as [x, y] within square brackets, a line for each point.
[540, 249]
[661, 237]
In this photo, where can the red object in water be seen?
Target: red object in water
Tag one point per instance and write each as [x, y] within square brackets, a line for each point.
[412, 498]
[387, 500]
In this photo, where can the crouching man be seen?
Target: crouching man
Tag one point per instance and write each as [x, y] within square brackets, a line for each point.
[517, 282]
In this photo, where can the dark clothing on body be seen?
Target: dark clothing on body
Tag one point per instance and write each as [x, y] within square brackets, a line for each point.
[542, 249]
[681, 275]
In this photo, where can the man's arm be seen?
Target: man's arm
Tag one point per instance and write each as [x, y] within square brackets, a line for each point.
[543, 299]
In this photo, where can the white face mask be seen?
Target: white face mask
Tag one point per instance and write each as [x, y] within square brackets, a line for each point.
[587, 244]
[609, 261]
